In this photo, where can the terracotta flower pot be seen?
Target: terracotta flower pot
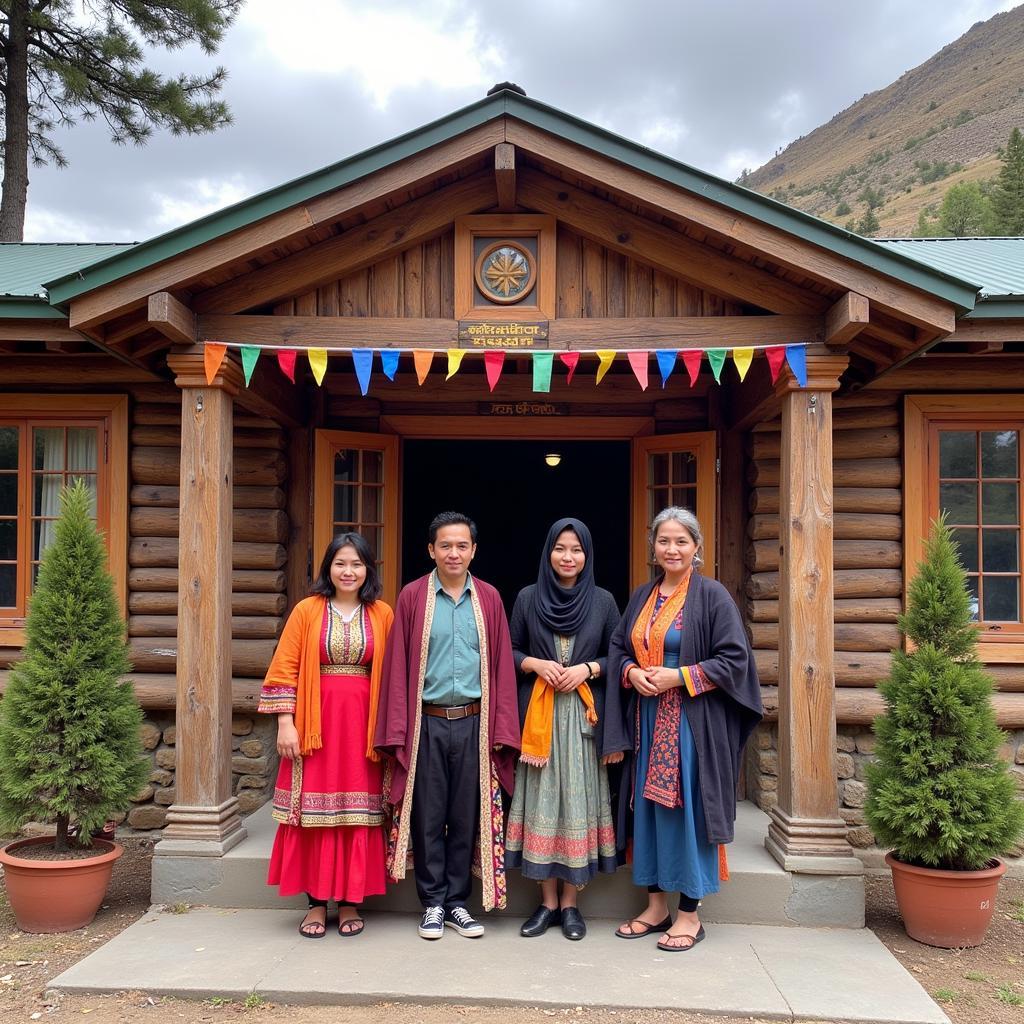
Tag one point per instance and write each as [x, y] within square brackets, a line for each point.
[949, 909]
[56, 895]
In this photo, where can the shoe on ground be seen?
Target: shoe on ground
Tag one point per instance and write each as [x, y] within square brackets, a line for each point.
[462, 921]
[432, 923]
[573, 925]
[540, 921]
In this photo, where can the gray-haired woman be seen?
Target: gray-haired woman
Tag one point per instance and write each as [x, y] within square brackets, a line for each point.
[692, 697]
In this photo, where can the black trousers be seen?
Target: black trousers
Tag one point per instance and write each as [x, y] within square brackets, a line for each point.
[445, 809]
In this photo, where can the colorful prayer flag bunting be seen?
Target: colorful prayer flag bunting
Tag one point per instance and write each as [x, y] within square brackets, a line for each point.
[363, 359]
[716, 357]
[742, 357]
[691, 360]
[493, 363]
[666, 364]
[250, 356]
[318, 364]
[213, 357]
[455, 356]
[286, 360]
[796, 356]
[389, 362]
[639, 363]
[422, 361]
[571, 360]
[606, 356]
[542, 371]
[776, 356]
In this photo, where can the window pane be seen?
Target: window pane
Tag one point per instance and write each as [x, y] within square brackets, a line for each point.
[8, 494]
[684, 468]
[48, 445]
[345, 466]
[82, 448]
[972, 589]
[372, 463]
[8, 447]
[968, 542]
[999, 453]
[8, 583]
[657, 468]
[1002, 599]
[344, 503]
[960, 502]
[42, 536]
[90, 484]
[999, 503]
[46, 494]
[658, 498]
[372, 505]
[373, 538]
[685, 497]
[8, 539]
[958, 453]
[1000, 551]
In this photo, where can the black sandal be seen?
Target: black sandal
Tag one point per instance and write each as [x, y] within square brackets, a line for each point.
[681, 949]
[358, 924]
[667, 923]
[321, 925]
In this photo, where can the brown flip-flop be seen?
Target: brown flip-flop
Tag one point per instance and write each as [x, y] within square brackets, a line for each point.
[351, 926]
[699, 937]
[648, 928]
[304, 925]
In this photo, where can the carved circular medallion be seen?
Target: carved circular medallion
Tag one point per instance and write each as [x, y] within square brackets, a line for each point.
[506, 272]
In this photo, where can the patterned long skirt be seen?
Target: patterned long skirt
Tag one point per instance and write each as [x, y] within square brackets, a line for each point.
[560, 823]
[337, 851]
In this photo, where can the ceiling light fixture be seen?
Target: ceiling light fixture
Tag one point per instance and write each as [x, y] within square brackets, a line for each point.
[552, 459]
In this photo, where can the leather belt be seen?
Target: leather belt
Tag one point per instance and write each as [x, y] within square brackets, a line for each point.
[463, 711]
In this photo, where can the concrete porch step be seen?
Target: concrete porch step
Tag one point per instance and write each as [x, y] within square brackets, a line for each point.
[759, 891]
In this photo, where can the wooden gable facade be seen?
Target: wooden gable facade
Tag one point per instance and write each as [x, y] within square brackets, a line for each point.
[220, 496]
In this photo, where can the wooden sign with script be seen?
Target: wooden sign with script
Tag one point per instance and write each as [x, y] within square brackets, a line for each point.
[501, 334]
[524, 409]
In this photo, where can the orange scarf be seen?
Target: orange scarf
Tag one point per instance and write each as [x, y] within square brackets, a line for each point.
[540, 715]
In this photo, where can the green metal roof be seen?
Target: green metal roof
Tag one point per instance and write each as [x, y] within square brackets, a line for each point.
[998, 263]
[888, 261]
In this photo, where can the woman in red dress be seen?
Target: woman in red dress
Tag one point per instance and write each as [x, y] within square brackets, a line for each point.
[323, 684]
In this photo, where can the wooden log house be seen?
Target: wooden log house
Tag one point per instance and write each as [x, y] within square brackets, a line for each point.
[218, 498]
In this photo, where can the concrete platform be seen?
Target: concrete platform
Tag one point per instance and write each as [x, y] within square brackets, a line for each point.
[759, 892]
[742, 970]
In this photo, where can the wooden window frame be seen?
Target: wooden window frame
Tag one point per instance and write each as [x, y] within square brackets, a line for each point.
[111, 413]
[922, 413]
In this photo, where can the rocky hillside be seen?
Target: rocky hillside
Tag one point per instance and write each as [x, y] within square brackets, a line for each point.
[900, 148]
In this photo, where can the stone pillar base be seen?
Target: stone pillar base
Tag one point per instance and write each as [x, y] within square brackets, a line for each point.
[201, 831]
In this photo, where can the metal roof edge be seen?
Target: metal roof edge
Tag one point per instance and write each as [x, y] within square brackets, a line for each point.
[998, 307]
[26, 308]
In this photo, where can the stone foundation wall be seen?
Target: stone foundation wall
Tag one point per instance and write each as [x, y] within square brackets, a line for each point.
[253, 766]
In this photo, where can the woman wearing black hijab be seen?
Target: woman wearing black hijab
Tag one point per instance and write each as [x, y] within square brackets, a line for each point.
[560, 826]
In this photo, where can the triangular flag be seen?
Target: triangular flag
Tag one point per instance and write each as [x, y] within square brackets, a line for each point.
[571, 360]
[542, 371]
[666, 364]
[213, 356]
[639, 362]
[493, 362]
[796, 356]
[286, 360]
[454, 361]
[318, 364]
[363, 359]
[250, 355]
[741, 357]
[691, 359]
[389, 362]
[606, 356]
[716, 357]
[776, 357]
[422, 361]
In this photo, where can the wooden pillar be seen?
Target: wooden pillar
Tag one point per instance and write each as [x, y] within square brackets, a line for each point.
[204, 818]
[806, 832]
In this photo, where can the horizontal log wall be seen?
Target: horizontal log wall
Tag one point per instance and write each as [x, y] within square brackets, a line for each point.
[868, 574]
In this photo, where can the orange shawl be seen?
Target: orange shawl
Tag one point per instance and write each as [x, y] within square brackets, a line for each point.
[536, 743]
[296, 663]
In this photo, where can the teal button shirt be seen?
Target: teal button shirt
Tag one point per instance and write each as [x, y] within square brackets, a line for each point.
[453, 657]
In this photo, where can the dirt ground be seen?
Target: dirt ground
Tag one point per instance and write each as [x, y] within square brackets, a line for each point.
[974, 986]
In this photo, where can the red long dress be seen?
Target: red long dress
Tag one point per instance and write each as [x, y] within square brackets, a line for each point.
[338, 850]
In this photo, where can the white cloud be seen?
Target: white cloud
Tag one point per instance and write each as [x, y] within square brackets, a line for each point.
[196, 198]
[664, 133]
[45, 224]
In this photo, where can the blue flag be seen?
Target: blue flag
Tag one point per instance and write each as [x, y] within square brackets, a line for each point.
[796, 356]
[363, 359]
[389, 362]
[666, 364]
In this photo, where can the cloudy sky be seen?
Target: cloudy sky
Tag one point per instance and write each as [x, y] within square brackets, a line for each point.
[720, 84]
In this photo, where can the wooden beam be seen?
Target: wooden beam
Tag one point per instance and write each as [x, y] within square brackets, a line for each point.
[352, 250]
[954, 372]
[984, 348]
[772, 243]
[88, 370]
[983, 332]
[505, 176]
[173, 319]
[846, 319]
[663, 248]
[38, 330]
[569, 333]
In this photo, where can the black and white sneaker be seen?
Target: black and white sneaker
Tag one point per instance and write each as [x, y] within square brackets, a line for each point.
[462, 921]
[432, 923]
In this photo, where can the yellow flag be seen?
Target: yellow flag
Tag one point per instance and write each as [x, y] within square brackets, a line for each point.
[606, 356]
[317, 363]
[454, 361]
[741, 357]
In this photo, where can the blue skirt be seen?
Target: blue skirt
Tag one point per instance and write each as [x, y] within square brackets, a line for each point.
[670, 846]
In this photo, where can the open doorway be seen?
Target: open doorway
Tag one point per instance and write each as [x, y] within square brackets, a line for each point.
[514, 494]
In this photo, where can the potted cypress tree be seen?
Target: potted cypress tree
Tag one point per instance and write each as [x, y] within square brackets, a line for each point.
[938, 794]
[70, 753]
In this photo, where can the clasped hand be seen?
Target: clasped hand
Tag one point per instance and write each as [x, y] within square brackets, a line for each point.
[652, 681]
[560, 678]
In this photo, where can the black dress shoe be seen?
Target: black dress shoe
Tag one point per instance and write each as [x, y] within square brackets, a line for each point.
[573, 925]
[540, 921]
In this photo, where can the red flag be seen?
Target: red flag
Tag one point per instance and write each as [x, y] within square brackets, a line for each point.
[691, 360]
[639, 362]
[571, 360]
[493, 362]
[286, 360]
[776, 358]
